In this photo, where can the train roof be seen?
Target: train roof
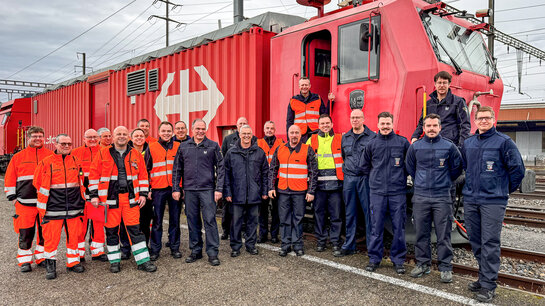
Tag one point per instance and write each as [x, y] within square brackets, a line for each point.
[272, 22]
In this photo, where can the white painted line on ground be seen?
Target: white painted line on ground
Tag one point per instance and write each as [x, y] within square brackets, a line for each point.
[376, 276]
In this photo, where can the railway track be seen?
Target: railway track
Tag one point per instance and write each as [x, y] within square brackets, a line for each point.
[526, 217]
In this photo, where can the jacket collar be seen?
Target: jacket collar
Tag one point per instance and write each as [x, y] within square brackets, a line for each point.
[486, 134]
[386, 137]
[448, 97]
[297, 147]
[432, 140]
[192, 141]
[322, 134]
[366, 131]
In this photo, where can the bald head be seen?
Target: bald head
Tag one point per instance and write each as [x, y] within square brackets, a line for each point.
[356, 120]
[90, 138]
[121, 137]
[242, 121]
[294, 135]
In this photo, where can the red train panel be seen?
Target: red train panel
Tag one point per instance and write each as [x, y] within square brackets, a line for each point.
[14, 116]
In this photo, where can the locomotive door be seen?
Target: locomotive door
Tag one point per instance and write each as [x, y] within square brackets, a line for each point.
[317, 62]
[99, 103]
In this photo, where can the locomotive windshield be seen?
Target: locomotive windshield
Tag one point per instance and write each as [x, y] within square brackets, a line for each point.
[457, 46]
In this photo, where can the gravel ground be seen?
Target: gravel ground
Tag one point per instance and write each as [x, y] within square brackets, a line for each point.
[522, 237]
[526, 202]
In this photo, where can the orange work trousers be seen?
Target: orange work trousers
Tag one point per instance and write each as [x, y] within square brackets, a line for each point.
[52, 230]
[96, 233]
[130, 215]
[25, 222]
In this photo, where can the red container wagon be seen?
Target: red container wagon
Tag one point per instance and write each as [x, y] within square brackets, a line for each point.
[218, 77]
[14, 121]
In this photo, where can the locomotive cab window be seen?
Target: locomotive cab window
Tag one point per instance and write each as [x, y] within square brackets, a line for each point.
[359, 45]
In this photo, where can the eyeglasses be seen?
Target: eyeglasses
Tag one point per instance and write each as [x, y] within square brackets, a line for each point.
[36, 137]
[484, 118]
[65, 144]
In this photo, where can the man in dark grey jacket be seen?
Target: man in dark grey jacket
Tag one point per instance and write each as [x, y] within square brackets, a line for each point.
[199, 165]
[246, 175]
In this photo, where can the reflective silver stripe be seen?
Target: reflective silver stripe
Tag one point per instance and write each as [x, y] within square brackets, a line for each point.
[44, 191]
[93, 187]
[309, 112]
[300, 115]
[39, 248]
[41, 205]
[74, 212]
[169, 172]
[337, 155]
[112, 248]
[25, 178]
[159, 164]
[86, 173]
[132, 178]
[155, 174]
[9, 190]
[170, 162]
[111, 202]
[38, 256]
[97, 244]
[24, 252]
[299, 121]
[24, 259]
[81, 245]
[327, 178]
[26, 201]
[136, 189]
[138, 246]
[143, 182]
[293, 166]
[67, 185]
[141, 256]
[132, 201]
[112, 257]
[70, 260]
[294, 176]
[91, 182]
[72, 251]
[102, 192]
[324, 155]
[96, 251]
[113, 177]
[338, 165]
[105, 179]
[312, 120]
[270, 156]
[144, 189]
[50, 255]
[87, 197]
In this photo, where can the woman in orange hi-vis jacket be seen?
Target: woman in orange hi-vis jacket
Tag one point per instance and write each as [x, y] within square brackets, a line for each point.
[59, 181]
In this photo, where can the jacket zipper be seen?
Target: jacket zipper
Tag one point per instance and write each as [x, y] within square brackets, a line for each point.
[65, 187]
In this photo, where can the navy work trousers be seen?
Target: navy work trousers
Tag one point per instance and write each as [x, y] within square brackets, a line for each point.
[291, 209]
[199, 203]
[327, 203]
[161, 198]
[396, 205]
[264, 218]
[484, 223]
[438, 210]
[356, 193]
[244, 214]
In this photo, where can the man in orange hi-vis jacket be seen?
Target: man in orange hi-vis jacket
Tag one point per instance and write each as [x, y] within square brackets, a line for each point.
[19, 189]
[59, 181]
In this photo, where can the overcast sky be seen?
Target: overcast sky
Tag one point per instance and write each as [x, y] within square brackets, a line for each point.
[30, 30]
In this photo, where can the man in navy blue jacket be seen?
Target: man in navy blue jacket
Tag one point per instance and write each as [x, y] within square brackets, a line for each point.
[246, 185]
[494, 168]
[199, 164]
[452, 109]
[434, 163]
[355, 186]
[383, 161]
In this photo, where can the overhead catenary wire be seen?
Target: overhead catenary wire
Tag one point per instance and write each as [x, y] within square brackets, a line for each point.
[68, 42]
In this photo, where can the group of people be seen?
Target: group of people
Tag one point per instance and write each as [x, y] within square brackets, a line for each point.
[135, 176]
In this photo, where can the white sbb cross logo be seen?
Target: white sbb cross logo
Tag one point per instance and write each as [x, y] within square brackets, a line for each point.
[205, 100]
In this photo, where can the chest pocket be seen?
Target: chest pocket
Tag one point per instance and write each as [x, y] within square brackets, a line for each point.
[441, 159]
[346, 146]
[396, 157]
[490, 162]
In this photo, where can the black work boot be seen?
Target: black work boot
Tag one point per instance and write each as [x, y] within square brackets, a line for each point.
[147, 266]
[50, 269]
[79, 268]
[115, 267]
[26, 267]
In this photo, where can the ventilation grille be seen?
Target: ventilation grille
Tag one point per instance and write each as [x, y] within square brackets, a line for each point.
[153, 80]
[136, 82]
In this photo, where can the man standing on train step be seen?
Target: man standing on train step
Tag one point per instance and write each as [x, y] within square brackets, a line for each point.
[269, 144]
[246, 185]
[85, 155]
[452, 110]
[328, 198]
[355, 186]
[494, 169]
[159, 161]
[434, 163]
[294, 173]
[199, 165]
[119, 180]
[305, 108]
[383, 161]
[59, 181]
[19, 189]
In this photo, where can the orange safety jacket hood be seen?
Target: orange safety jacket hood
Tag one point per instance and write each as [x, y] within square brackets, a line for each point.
[20, 174]
[103, 179]
[59, 181]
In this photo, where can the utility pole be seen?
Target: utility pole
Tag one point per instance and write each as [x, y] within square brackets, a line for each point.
[238, 11]
[83, 64]
[491, 36]
[166, 18]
